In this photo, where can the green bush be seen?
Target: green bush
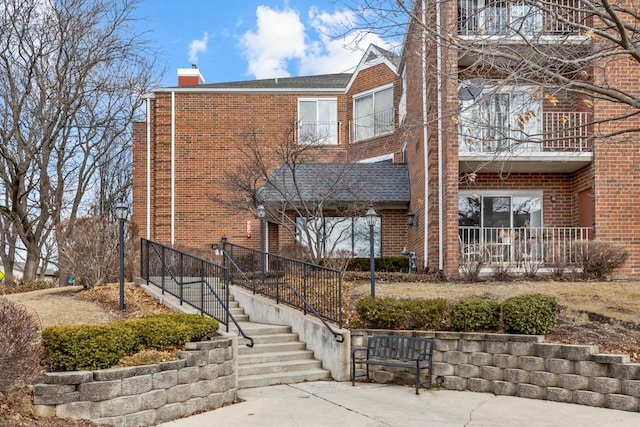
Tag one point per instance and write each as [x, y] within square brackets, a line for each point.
[475, 315]
[530, 314]
[89, 347]
[390, 313]
[386, 264]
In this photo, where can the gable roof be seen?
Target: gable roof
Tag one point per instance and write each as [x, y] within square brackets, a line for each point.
[380, 183]
[373, 56]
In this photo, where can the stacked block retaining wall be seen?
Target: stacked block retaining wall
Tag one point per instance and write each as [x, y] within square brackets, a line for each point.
[522, 366]
[202, 378]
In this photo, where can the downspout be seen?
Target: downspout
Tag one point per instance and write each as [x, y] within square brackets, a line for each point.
[148, 216]
[173, 166]
[425, 136]
[440, 121]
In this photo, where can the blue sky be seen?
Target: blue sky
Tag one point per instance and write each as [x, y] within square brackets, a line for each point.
[232, 40]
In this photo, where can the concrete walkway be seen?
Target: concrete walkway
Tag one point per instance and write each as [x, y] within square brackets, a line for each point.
[328, 403]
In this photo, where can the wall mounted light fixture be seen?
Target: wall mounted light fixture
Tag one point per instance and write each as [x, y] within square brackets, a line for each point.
[553, 197]
[412, 219]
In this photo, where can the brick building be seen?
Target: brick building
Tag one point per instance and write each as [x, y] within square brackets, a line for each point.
[499, 164]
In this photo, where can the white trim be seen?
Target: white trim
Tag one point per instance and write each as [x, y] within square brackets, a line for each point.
[498, 193]
[316, 99]
[372, 91]
[197, 89]
[377, 159]
[173, 166]
[148, 201]
[363, 64]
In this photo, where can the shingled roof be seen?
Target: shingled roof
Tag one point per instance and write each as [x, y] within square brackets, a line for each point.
[338, 182]
[325, 81]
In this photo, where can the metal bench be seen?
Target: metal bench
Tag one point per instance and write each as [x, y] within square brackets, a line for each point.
[397, 351]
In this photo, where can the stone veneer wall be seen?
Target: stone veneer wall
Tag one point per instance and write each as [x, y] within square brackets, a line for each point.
[523, 366]
[202, 378]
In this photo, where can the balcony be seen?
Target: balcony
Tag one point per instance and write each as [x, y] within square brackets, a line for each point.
[520, 19]
[372, 125]
[562, 143]
[317, 133]
[551, 247]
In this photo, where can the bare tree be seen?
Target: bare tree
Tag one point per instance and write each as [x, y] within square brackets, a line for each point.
[315, 203]
[72, 73]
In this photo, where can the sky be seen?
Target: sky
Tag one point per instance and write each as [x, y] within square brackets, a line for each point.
[232, 40]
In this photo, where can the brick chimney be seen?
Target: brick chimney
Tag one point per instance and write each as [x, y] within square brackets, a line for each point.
[190, 76]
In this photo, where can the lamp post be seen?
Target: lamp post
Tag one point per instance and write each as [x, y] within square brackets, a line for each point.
[262, 213]
[121, 210]
[372, 216]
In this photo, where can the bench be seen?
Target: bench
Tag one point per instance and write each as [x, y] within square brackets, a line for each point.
[397, 351]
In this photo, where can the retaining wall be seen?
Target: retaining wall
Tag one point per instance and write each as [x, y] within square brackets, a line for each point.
[203, 378]
[523, 366]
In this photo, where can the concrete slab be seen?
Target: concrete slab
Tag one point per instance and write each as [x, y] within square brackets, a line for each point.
[326, 403]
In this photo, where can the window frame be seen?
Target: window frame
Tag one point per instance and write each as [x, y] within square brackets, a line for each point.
[333, 123]
[378, 126]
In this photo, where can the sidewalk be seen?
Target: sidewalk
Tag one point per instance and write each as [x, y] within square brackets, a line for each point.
[327, 403]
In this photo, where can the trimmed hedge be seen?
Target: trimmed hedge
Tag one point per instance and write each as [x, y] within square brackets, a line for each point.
[391, 313]
[89, 347]
[387, 264]
[530, 314]
[475, 314]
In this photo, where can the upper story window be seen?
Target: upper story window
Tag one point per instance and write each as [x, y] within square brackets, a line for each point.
[373, 113]
[505, 119]
[317, 121]
[498, 18]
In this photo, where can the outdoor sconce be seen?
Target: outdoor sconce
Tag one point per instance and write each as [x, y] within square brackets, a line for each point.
[412, 220]
[553, 197]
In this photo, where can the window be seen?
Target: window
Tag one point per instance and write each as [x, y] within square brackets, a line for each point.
[500, 211]
[339, 233]
[498, 18]
[318, 121]
[373, 114]
[509, 119]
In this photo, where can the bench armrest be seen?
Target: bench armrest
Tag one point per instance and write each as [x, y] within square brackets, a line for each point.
[359, 350]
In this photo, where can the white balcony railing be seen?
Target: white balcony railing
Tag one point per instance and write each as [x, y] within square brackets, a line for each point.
[318, 132]
[551, 246]
[525, 18]
[561, 131]
[372, 125]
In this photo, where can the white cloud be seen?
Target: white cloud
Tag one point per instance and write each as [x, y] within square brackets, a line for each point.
[197, 47]
[279, 38]
[281, 45]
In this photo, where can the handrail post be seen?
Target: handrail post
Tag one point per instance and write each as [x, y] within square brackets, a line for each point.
[226, 287]
[201, 287]
[181, 284]
[163, 267]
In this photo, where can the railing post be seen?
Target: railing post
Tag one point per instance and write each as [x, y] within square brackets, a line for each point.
[304, 286]
[162, 268]
[181, 278]
[202, 287]
[226, 288]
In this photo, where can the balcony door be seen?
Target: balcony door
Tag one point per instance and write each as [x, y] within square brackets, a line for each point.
[498, 18]
[318, 121]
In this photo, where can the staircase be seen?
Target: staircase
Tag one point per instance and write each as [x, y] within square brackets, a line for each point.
[277, 356]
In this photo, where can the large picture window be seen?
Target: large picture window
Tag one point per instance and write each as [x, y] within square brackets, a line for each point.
[500, 210]
[338, 233]
[373, 114]
[509, 119]
[318, 121]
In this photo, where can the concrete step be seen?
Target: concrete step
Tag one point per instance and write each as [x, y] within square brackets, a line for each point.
[269, 339]
[254, 329]
[280, 366]
[240, 317]
[272, 348]
[250, 359]
[262, 380]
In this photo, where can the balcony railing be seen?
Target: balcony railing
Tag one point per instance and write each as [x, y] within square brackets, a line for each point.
[320, 132]
[522, 18]
[372, 125]
[550, 246]
[561, 132]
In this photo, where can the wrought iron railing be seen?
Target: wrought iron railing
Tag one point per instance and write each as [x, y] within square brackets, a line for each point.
[298, 284]
[372, 125]
[525, 18]
[559, 132]
[543, 245]
[318, 132]
[197, 282]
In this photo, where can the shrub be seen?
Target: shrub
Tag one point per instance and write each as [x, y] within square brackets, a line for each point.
[386, 264]
[471, 266]
[89, 347]
[598, 259]
[530, 314]
[474, 315]
[390, 313]
[21, 345]
[338, 259]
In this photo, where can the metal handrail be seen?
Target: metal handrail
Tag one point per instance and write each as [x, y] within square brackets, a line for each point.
[202, 281]
[339, 336]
